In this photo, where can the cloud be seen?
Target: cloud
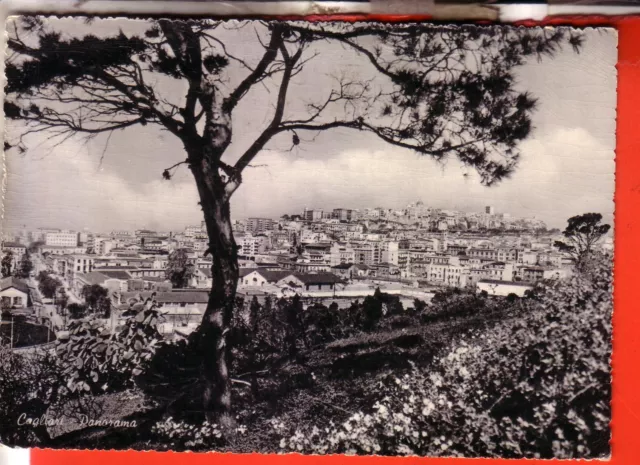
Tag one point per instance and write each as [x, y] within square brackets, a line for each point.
[564, 173]
[68, 190]
[560, 175]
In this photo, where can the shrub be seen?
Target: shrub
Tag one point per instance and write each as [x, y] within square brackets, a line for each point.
[76, 311]
[327, 324]
[323, 324]
[180, 435]
[512, 297]
[170, 372]
[29, 383]
[95, 360]
[419, 305]
[457, 303]
[399, 321]
[48, 285]
[372, 311]
[391, 303]
[534, 386]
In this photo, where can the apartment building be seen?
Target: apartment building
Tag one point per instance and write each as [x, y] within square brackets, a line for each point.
[249, 245]
[312, 215]
[342, 214]
[260, 225]
[61, 239]
[389, 252]
[342, 254]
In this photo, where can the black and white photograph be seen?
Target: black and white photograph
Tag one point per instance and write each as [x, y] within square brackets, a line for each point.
[359, 238]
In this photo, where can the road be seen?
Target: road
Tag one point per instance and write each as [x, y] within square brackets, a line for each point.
[73, 298]
[39, 265]
[51, 308]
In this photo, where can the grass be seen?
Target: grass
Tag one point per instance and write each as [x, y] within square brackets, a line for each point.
[346, 374]
[333, 381]
[112, 406]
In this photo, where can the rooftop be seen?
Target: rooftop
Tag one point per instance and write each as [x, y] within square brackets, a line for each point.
[317, 278]
[508, 283]
[116, 274]
[6, 283]
[124, 256]
[114, 268]
[318, 245]
[269, 275]
[14, 245]
[154, 279]
[93, 277]
[343, 266]
[170, 297]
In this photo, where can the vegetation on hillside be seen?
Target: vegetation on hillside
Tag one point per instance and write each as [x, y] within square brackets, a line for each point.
[534, 386]
[464, 375]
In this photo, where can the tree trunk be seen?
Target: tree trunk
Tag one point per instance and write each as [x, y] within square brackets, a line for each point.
[217, 317]
[254, 309]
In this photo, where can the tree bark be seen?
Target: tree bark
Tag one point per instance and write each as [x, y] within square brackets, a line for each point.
[254, 309]
[220, 307]
[204, 162]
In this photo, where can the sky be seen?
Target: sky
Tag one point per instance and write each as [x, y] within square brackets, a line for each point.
[567, 164]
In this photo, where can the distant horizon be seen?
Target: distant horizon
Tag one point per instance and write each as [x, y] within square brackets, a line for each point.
[89, 230]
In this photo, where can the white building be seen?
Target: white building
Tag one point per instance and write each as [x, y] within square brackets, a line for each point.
[201, 279]
[14, 293]
[390, 252]
[103, 247]
[61, 250]
[193, 231]
[341, 254]
[250, 245]
[448, 274]
[61, 239]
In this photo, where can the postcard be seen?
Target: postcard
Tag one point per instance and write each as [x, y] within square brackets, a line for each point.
[315, 237]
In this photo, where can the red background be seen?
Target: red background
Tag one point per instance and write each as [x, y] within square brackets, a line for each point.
[626, 343]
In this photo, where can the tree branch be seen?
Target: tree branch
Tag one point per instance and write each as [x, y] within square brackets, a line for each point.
[273, 128]
[186, 48]
[272, 51]
[383, 133]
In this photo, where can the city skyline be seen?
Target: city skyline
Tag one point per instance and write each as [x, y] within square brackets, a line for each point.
[317, 208]
[465, 211]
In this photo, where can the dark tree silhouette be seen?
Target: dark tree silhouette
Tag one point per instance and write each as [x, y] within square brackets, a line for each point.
[25, 266]
[7, 264]
[179, 270]
[61, 300]
[582, 233]
[34, 247]
[47, 284]
[77, 311]
[97, 299]
[439, 91]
